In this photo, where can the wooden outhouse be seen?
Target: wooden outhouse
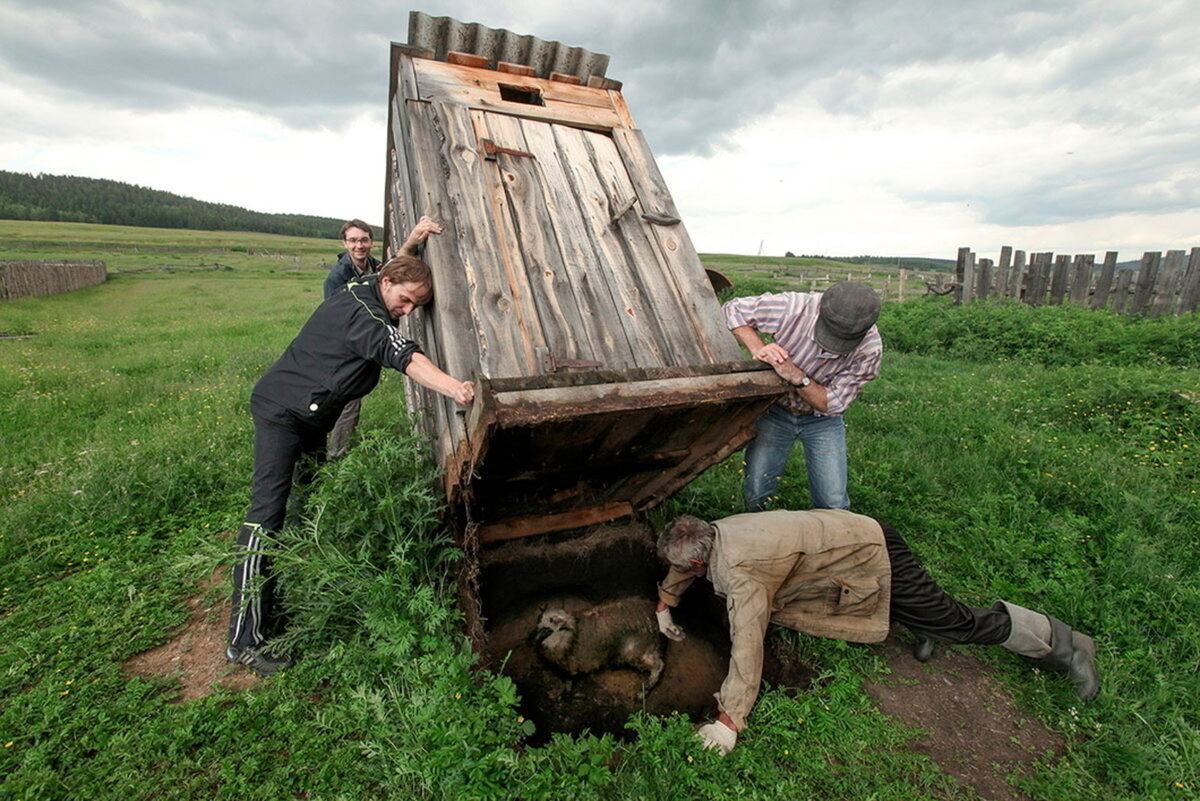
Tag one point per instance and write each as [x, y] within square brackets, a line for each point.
[565, 284]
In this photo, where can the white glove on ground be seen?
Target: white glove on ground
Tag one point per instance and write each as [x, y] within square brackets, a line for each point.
[667, 625]
[719, 736]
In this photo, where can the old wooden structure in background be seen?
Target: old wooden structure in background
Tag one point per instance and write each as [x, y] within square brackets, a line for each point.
[565, 284]
[32, 278]
[1161, 285]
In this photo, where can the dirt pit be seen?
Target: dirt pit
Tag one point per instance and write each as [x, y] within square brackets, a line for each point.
[195, 656]
[581, 574]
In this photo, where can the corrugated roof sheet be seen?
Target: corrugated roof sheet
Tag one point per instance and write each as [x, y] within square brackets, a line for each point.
[445, 34]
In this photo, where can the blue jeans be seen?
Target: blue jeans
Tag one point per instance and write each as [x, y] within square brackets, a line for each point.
[824, 440]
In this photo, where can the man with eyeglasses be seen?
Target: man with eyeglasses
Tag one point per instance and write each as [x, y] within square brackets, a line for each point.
[353, 263]
[834, 573]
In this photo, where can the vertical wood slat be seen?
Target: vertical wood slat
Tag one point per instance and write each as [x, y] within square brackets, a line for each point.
[1004, 272]
[1165, 288]
[567, 331]
[1105, 282]
[633, 310]
[675, 247]
[1189, 293]
[1058, 284]
[506, 248]
[1146, 276]
[32, 278]
[985, 278]
[1039, 269]
[1081, 279]
[504, 348]
[965, 272]
[640, 252]
[601, 325]
[1121, 295]
[1018, 275]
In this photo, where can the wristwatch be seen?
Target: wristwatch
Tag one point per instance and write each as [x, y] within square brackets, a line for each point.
[802, 383]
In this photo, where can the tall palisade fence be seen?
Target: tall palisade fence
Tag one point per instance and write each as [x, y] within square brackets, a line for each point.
[35, 278]
[1160, 285]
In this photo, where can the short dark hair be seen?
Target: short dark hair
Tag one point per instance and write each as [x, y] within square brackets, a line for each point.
[686, 537]
[357, 224]
[405, 269]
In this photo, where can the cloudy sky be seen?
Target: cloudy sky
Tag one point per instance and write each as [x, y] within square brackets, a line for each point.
[836, 127]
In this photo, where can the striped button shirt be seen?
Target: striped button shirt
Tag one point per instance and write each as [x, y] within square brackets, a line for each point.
[791, 317]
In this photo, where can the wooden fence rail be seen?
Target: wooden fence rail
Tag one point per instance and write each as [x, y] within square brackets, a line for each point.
[892, 285]
[1161, 285]
[36, 278]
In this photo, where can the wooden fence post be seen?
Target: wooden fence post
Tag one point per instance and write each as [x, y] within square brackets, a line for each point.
[985, 277]
[1104, 284]
[1017, 282]
[1081, 281]
[1189, 293]
[965, 272]
[1146, 277]
[1004, 271]
[900, 285]
[1058, 284]
[1164, 290]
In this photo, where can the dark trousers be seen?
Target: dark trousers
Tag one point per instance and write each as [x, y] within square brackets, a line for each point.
[285, 451]
[921, 604]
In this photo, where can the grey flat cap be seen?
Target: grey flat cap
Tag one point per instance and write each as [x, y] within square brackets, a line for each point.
[848, 310]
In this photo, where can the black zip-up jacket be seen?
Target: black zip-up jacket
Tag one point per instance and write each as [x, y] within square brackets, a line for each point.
[336, 357]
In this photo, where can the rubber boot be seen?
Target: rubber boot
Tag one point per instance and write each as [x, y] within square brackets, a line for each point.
[1048, 643]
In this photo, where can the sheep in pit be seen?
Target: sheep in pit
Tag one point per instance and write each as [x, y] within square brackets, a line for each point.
[614, 634]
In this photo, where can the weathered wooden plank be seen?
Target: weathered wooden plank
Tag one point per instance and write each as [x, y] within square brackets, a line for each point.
[542, 524]
[566, 332]
[734, 428]
[507, 246]
[965, 273]
[633, 311]
[1189, 292]
[684, 337]
[985, 278]
[1081, 278]
[1058, 286]
[675, 247]
[1105, 282]
[1165, 290]
[452, 316]
[1146, 277]
[480, 88]
[1039, 278]
[521, 408]
[1122, 294]
[603, 326]
[1018, 275]
[1004, 272]
[506, 341]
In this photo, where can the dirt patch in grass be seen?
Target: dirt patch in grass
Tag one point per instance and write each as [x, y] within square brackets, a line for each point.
[975, 732]
[195, 656]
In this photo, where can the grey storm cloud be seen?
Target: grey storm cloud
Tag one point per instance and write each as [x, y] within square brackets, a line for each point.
[693, 71]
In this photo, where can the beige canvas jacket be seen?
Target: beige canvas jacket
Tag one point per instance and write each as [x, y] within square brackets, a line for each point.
[824, 572]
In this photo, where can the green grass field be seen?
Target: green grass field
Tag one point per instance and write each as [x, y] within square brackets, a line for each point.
[1045, 456]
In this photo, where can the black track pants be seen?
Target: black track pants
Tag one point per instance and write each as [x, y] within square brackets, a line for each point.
[921, 604]
[279, 446]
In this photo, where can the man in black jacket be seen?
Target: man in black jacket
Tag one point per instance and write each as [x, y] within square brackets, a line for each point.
[337, 357]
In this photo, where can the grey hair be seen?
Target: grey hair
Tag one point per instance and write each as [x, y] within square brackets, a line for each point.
[686, 537]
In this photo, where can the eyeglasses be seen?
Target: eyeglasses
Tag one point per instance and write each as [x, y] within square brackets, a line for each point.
[366, 240]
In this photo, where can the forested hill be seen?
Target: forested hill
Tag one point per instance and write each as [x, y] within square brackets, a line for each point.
[69, 198]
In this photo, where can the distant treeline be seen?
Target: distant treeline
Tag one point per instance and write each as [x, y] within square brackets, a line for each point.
[68, 198]
[902, 262]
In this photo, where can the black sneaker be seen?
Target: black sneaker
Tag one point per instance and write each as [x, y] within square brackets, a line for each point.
[259, 661]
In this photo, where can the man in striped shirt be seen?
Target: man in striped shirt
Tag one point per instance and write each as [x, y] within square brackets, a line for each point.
[827, 347]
